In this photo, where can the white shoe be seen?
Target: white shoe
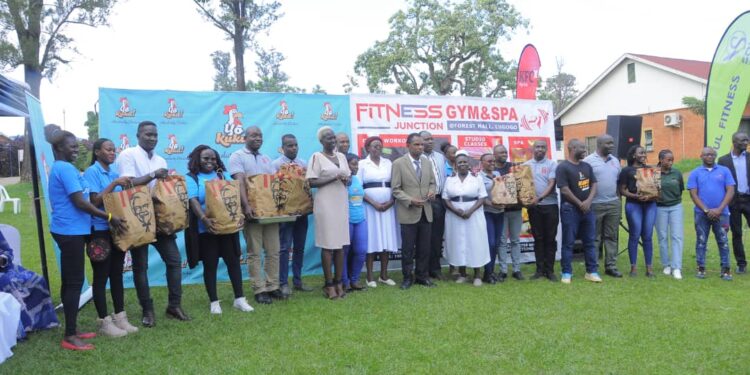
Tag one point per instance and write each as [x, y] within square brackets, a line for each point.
[372, 284]
[242, 305]
[215, 308]
[387, 282]
[121, 321]
[677, 274]
[460, 280]
[667, 270]
[477, 282]
[107, 328]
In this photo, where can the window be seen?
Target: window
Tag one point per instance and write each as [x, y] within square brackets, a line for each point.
[648, 136]
[631, 73]
[590, 145]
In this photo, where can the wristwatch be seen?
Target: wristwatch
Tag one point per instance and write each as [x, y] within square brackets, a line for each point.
[705, 210]
[152, 175]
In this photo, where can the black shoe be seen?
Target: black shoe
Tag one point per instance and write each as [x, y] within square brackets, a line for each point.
[437, 276]
[303, 288]
[490, 279]
[278, 294]
[552, 277]
[406, 284]
[518, 276]
[536, 276]
[425, 282]
[613, 272]
[741, 269]
[263, 298]
[501, 278]
[177, 313]
[149, 320]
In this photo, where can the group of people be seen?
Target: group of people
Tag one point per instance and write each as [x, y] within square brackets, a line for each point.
[411, 204]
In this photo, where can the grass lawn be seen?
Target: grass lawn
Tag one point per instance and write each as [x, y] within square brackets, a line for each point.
[622, 326]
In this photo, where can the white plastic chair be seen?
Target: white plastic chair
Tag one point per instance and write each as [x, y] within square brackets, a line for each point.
[13, 237]
[5, 198]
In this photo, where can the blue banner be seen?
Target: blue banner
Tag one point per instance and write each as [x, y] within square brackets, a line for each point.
[187, 119]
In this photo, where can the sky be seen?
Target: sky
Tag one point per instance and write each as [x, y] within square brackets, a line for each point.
[166, 44]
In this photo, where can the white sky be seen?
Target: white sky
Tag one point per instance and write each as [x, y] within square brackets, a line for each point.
[166, 44]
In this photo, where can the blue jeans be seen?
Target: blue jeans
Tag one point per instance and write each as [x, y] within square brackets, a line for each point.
[355, 253]
[641, 219]
[292, 233]
[703, 226]
[494, 229]
[577, 224]
[669, 231]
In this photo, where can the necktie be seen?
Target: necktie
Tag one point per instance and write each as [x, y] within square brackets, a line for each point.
[419, 169]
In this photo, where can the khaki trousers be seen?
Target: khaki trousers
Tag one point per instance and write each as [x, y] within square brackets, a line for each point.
[259, 237]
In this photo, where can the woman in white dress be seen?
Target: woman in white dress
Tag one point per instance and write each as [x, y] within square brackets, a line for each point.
[382, 227]
[466, 242]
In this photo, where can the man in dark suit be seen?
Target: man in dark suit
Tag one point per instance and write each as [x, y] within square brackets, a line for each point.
[413, 184]
[738, 163]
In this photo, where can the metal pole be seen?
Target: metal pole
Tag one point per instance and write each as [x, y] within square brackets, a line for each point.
[37, 203]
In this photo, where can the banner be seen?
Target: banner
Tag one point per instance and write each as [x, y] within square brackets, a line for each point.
[218, 119]
[527, 75]
[728, 85]
[472, 124]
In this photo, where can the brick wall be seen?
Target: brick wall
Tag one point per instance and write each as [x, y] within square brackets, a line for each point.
[685, 141]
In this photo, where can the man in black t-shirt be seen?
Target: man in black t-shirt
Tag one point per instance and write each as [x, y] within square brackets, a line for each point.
[577, 184]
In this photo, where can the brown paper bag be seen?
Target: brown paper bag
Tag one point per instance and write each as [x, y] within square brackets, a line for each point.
[223, 205]
[293, 182]
[170, 204]
[648, 182]
[525, 184]
[136, 207]
[264, 195]
[504, 191]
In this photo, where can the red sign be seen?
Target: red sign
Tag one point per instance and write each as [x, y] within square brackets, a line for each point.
[527, 77]
[522, 148]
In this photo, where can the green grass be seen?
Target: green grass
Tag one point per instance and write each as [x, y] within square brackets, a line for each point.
[687, 165]
[624, 326]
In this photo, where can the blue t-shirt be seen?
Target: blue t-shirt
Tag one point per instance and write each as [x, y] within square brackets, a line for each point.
[711, 185]
[198, 190]
[67, 219]
[98, 178]
[448, 169]
[356, 197]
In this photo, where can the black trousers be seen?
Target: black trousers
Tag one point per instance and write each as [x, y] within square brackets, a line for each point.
[438, 229]
[740, 207]
[71, 276]
[170, 254]
[415, 246]
[544, 220]
[214, 246]
[108, 269]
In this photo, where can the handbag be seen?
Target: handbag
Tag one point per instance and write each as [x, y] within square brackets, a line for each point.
[98, 249]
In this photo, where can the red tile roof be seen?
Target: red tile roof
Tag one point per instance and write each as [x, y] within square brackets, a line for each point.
[692, 67]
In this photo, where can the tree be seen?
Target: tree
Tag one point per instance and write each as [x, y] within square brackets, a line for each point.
[695, 105]
[560, 88]
[240, 20]
[439, 47]
[270, 76]
[92, 125]
[224, 79]
[318, 90]
[42, 42]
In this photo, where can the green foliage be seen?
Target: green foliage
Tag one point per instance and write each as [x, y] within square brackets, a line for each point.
[697, 106]
[240, 21]
[560, 89]
[441, 47]
[92, 125]
[84, 156]
[318, 90]
[224, 79]
[687, 165]
[270, 76]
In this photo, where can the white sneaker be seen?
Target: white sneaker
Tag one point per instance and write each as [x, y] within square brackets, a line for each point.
[108, 328]
[242, 305]
[667, 270]
[387, 282]
[477, 282]
[460, 280]
[677, 274]
[121, 321]
[215, 308]
[372, 284]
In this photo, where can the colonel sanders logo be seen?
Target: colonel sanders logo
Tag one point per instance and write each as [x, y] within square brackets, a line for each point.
[139, 203]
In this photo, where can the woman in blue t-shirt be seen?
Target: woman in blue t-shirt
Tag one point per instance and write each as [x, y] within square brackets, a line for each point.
[356, 252]
[103, 179]
[204, 164]
[70, 226]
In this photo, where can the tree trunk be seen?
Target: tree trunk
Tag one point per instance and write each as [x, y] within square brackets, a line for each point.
[33, 78]
[239, 43]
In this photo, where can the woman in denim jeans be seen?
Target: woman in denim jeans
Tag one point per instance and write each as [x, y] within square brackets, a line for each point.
[640, 211]
[669, 228]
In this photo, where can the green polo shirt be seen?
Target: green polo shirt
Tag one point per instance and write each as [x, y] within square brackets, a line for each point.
[671, 188]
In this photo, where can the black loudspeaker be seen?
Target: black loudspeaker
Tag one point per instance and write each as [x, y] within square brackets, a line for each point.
[626, 130]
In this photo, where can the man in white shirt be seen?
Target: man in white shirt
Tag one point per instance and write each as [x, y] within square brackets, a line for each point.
[143, 166]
